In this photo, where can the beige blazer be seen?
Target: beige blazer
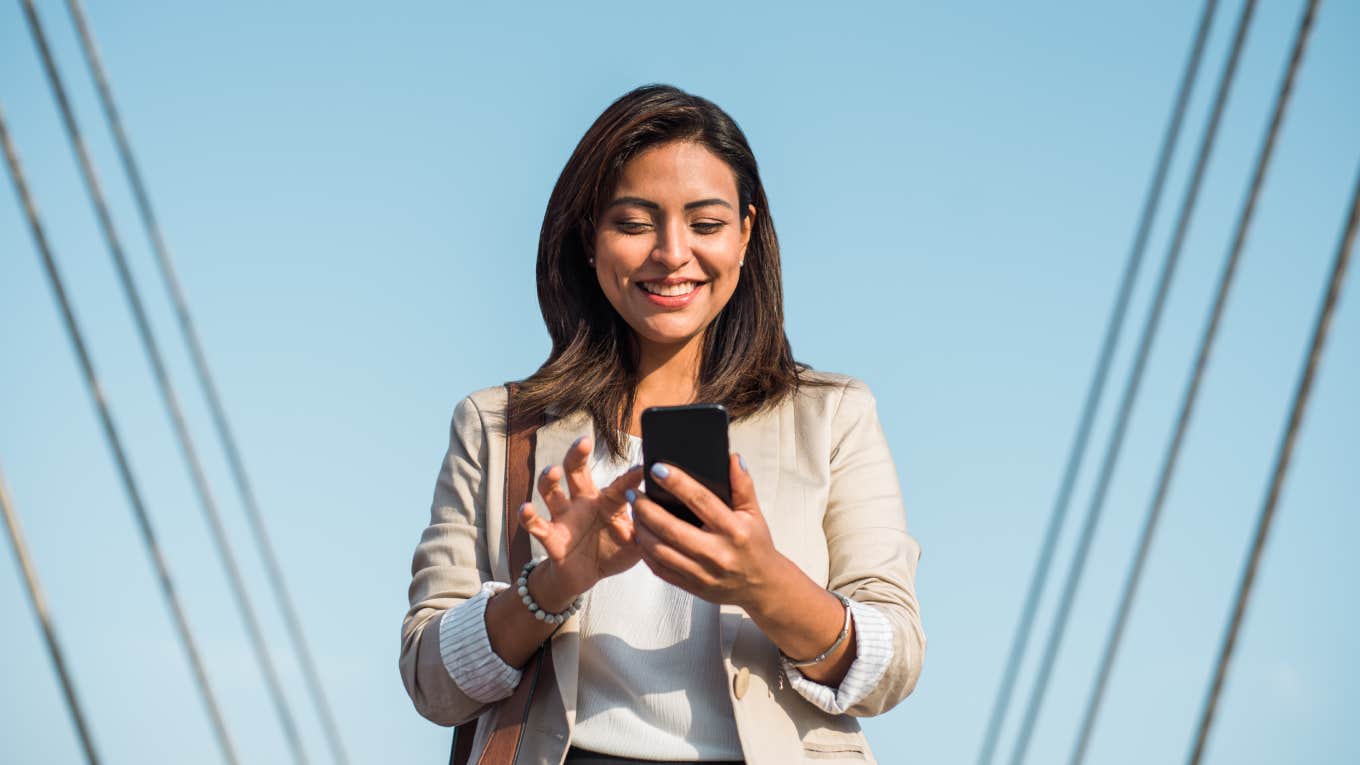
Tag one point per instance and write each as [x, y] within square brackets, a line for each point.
[829, 491]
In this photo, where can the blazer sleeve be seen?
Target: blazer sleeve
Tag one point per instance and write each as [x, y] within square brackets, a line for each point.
[872, 557]
[448, 567]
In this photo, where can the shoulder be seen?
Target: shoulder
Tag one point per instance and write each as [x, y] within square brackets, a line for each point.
[480, 412]
[832, 395]
[489, 399]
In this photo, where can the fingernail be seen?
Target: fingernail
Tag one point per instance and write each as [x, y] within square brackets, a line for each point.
[546, 471]
[635, 467]
[742, 461]
[660, 471]
[630, 495]
[578, 441]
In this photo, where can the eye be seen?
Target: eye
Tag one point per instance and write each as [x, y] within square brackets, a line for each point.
[632, 226]
[708, 227]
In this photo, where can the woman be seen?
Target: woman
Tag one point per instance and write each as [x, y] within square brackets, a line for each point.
[759, 636]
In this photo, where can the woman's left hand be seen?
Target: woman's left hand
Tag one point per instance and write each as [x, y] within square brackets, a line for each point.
[731, 559]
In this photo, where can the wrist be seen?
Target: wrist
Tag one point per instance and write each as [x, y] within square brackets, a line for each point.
[546, 587]
[765, 596]
[840, 640]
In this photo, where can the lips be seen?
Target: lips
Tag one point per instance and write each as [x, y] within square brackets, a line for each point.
[670, 294]
[674, 289]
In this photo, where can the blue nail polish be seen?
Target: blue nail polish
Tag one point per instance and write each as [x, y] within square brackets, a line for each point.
[660, 471]
[546, 470]
[742, 461]
[577, 442]
[630, 495]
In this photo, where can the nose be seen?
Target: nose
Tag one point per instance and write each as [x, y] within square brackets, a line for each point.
[672, 245]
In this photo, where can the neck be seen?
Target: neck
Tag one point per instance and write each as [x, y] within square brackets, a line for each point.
[667, 376]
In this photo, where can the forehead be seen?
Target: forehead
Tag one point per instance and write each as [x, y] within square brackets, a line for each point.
[677, 171]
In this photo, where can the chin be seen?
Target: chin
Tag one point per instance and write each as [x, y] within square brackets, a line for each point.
[669, 335]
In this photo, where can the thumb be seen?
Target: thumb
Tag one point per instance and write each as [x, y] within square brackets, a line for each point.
[743, 488]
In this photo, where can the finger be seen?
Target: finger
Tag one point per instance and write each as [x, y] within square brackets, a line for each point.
[615, 496]
[665, 574]
[711, 510]
[680, 535]
[550, 488]
[577, 467]
[668, 564]
[656, 551]
[621, 530]
[743, 487]
[534, 523]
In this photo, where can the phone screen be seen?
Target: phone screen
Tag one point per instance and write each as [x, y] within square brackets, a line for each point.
[694, 438]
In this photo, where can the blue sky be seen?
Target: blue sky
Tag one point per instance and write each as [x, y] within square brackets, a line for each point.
[353, 198]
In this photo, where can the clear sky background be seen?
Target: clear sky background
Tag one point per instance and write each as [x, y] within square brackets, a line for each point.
[353, 196]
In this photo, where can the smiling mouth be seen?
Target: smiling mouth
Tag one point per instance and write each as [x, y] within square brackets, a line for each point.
[669, 290]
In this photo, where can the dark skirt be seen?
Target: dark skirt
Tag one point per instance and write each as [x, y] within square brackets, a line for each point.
[578, 756]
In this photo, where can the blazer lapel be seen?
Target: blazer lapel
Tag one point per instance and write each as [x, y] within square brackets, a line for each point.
[756, 439]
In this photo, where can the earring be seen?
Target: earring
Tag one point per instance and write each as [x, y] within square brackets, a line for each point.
[741, 263]
[591, 261]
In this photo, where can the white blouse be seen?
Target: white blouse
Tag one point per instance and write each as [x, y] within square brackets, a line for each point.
[651, 683]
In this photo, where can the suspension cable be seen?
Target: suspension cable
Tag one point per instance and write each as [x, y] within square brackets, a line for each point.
[39, 601]
[168, 396]
[1282, 457]
[1058, 515]
[1130, 395]
[77, 340]
[1191, 393]
[205, 378]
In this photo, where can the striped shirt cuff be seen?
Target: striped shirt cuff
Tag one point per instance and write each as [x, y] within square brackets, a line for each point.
[873, 654]
[466, 650]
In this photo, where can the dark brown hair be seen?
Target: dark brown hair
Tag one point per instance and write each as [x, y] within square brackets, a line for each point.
[746, 364]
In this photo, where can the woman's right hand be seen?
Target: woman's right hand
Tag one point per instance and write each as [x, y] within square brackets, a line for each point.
[589, 535]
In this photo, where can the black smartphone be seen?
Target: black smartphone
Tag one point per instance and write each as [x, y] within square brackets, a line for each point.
[694, 438]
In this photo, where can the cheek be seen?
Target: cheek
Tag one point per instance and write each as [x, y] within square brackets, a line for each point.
[725, 266]
[619, 255]
[726, 289]
[615, 263]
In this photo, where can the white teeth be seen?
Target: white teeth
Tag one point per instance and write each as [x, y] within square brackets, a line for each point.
[669, 290]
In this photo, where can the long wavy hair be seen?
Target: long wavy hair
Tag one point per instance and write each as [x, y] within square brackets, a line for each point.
[746, 365]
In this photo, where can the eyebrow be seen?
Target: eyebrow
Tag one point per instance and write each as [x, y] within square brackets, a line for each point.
[650, 205]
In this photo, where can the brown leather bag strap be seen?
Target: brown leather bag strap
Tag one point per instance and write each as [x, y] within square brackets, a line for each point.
[519, 475]
[510, 715]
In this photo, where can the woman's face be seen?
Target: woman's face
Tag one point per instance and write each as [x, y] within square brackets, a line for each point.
[670, 242]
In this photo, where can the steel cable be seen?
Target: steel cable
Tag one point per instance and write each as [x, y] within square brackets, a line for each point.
[1130, 589]
[1058, 515]
[205, 378]
[1130, 394]
[168, 395]
[115, 443]
[39, 601]
[1282, 457]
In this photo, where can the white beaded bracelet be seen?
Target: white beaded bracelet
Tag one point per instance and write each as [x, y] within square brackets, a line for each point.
[522, 587]
[845, 630]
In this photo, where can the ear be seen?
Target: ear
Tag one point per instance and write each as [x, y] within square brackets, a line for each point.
[747, 226]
